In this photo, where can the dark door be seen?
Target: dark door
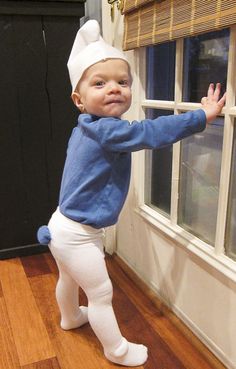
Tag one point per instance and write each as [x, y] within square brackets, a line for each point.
[36, 115]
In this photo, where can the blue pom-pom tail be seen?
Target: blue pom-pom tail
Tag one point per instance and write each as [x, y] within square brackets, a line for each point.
[44, 235]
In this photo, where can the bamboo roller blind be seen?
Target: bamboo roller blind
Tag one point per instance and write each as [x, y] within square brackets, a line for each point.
[149, 22]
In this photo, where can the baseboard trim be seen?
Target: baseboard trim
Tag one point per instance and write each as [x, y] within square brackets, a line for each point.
[22, 251]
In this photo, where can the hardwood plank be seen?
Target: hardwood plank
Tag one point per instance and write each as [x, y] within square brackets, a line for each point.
[136, 329]
[8, 354]
[51, 262]
[78, 348]
[35, 265]
[45, 364]
[192, 353]
[1, 293]
[140, 316]
[30, 335]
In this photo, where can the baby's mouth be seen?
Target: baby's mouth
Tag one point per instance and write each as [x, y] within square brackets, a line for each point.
[114, 102]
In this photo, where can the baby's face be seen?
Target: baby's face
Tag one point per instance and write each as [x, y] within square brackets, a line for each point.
[105, 89]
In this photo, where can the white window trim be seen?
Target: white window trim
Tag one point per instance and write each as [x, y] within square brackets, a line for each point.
[214, 256]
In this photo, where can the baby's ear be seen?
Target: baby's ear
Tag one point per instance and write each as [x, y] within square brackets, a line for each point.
[77, 101]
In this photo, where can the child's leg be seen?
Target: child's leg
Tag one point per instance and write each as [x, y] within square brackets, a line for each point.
[72, 315]
[88, 268]
[78, 251]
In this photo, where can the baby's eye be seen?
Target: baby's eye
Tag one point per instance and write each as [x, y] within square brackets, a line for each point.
[99, 83]
[123, 82]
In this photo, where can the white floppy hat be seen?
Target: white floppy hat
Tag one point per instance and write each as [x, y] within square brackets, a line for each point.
[89, 48]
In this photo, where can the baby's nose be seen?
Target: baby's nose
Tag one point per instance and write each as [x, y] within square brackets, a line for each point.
[114, 87]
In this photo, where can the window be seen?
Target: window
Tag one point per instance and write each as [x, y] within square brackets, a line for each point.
[161, 71]
[160, 86]
[200, 180]
[192, 184]
[160, 171]
[231, 224]
[205, 61]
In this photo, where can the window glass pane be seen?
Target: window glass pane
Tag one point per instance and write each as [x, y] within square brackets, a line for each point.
[159, 184]
[199, 183]
[231, 223]
[205, 61]
[160, 74]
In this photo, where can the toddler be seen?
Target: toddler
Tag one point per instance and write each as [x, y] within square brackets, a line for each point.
[96, 179]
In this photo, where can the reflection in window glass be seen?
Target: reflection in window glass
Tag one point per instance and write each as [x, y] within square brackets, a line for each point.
[199, 184]
[160, 171]
[231, 223]
[205, 61]
[160, 74]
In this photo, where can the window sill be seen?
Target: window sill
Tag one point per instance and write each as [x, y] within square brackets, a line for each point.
[221, 263]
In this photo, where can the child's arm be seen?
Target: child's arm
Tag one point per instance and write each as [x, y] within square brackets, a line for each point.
[211, 104]
[114, 134]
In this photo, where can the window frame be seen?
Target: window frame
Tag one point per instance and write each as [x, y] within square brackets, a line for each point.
[214, 256]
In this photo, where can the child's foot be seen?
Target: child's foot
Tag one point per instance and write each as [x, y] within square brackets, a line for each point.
[78, 322]
[128, 354]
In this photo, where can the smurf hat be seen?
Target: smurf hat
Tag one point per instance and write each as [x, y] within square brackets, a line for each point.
[89, 48]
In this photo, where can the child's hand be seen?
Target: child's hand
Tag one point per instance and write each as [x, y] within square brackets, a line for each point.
[211, 104]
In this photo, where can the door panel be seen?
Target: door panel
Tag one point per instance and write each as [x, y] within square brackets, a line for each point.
[36, 118]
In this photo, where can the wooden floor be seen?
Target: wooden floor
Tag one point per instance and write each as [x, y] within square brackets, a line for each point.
[30, 336]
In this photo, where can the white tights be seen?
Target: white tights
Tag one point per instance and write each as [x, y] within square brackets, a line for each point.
[78, 252]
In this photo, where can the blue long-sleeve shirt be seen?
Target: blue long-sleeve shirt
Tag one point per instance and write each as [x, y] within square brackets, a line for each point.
[96, 175]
